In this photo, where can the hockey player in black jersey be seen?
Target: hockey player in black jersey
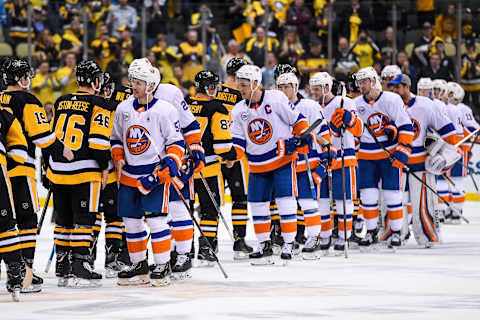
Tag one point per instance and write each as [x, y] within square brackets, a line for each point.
[217, 143]
[83, 123]
[17, 75]
[236, 176]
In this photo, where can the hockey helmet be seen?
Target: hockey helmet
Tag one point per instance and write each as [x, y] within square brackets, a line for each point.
[145, 72]
[389, 72]
[288, 78]
[282, 68]
[14, 69]
[454, 91]
[206, 81]
[108, 83]
[439, 84]
[87, 72]
[234, 64]
[351, 84]
[321, 79]
[252, 73]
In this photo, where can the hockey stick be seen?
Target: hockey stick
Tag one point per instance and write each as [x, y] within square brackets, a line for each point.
[342, 132]
[474, 132]
[447, 178]
[212, 198]
[310, 178]
[326, 144]
[185, 203]
[49, 262]
[44, 211]
[409, 171]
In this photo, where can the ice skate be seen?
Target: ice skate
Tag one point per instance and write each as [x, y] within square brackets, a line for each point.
[63, 268]
[113, 265]
[367, 243]
[287, 252]
[339, 246]
[241, 250]
[15, 273]
[325, 244]
[263, 255]
[354, 241]
[311, 249]
[83, 276]
[300, 236]
[395, 241]
[276, 238]
[35, 286]
[160, 275]
[205, 256]
[136, 274]
[455, 218]
[181, 270]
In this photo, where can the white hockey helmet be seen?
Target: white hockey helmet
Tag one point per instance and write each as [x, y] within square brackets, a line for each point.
[250, 72]
[390, 71]
[456, 90]
[425, 84]
[288, 78]
[368, 73]
[135, 63]
[439, 84]
[321, 79]
[147, 73]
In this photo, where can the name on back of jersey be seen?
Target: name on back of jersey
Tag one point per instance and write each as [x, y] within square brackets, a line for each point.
[76, 105]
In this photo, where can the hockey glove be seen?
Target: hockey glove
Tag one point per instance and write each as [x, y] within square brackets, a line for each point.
[391, 132]
[198, 155]
[319, 174]
[184, 175]
[400, 156]
[328, 154]
[145, 184]
[286, 147]
[167, 170]
[303, 145]
[341, 117]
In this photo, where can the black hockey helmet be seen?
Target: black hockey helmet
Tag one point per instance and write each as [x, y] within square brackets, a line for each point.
[108, 83]
[282, 68]
[204, 80]
[337, 87]
[234, 64]
[14, 69]
[86, 73]
[351, 84]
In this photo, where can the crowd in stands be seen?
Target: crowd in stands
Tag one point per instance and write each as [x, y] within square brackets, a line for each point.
[294, 32]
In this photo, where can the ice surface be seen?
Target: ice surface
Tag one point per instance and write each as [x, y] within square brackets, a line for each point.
[414, 283]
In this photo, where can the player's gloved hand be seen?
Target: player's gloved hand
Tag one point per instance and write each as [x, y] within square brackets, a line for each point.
[146, 184]
[286, 147]
[184, 174]
[319, 173]
[400, 156]
[167, 169]
[303, 145]
[328, 154]
[391, 132]
[340, 118]
[198, 155]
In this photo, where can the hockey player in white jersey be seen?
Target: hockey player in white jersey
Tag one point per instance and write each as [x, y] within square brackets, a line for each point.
[440, 90]
[425, 118]
[339, 114]
[145, 129]
[385, 115]
[388, 73]
[262, 126]
[181, 222]
[307, 198]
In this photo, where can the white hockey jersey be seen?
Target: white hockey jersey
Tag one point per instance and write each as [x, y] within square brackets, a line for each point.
[310, 110]
[423, 116]
[354, 130]
[131, 134]
[388, 108]
[256, 130]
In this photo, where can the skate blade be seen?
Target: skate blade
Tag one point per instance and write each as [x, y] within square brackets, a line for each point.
[62, 282]
[311, 255]
[204, 264]
[15, 295]
[277, 250]
[180, 276]
[83, 283]
[240, 255]
[265, 261]
[160, 282]
[110, 273]
[134, 281]
[32, 289]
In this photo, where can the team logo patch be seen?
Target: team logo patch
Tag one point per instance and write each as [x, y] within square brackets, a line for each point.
[126, 116]
[83, 203]
[377, 122]
[361, 109]
[260, 131]
[3, 213]
[25, 205]
[244, 116]
[137, 140]
[416, 128]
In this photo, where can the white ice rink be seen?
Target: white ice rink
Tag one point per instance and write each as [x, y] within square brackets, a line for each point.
[414, 283]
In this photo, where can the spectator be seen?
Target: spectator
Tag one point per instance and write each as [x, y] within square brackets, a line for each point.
[346, 61]
[118, 67]
[39, 20]
[70, 10]
[165, 57]
[445, 61]
[191, 53]
[128, 43]
[268, 80]
[256, 16]
[45, 49]
[196, 20]
[434, 70]
[44, 83]
[291, 48]
[446, 25]
[365, 49]
[425, 12]
[422, 47]
[470, 75]
[17, 21]
[470, 29]
[158, 22]
[120, 15]
[178, 80]
[405, 66]
[321, 25]
[48, 110]
[255, 47]
[104, 48]
[313, 61]
[299, 16]
[72, 40]
[233, 52]
[100, 11]
[386, 45]
[239, 27]
[352, 19]
[66, 75]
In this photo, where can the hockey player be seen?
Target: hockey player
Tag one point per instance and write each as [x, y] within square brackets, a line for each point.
[147, 148]
[31, 115]
[83, 124]
[217, 143]
[288, 84]
[262, 126]
[181, 222]
[439, 90]
[388, 73]
[424, 118]
[236, 176]
[387, 118]
[339, 114]
[14, 146]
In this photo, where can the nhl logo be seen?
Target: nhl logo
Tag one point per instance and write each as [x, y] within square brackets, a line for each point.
[4, 212]
[126, 116]
[25, 205]
[110, 202]
[361, 109]
[244, 116]
[83, 204]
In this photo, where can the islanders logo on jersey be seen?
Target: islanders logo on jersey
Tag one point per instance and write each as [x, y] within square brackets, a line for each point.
[416, 128]
[377, 122]
[260, 131]
[137, 140]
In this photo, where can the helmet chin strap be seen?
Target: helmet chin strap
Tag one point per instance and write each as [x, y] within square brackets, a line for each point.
[25, 87]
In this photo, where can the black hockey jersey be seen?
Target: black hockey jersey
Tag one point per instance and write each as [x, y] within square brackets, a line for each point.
[84, 123]
[12, 139]
[120, 94]
[228, 96]
[32, 117]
